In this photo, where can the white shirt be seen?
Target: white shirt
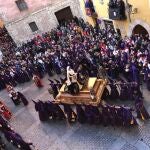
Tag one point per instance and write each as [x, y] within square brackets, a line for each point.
[71, 76]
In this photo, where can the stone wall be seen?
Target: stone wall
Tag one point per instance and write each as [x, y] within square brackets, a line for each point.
[45, 19]
[12, 12]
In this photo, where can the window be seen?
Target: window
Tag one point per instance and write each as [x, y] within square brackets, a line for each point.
[33, 26]
[22, 5]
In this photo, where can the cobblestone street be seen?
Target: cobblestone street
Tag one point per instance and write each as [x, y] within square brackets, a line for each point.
[62, 136]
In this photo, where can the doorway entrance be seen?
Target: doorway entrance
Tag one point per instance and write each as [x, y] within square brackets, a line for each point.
[64, 15]
[138, 29]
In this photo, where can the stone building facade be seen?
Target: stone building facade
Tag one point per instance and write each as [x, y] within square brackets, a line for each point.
[43, 14]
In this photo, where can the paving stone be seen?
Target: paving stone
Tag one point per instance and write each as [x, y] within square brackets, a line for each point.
[145, 133]
[88, 138]
[119, 143]
[22, 121]
[128, 146]
[141, 146]
[41, 139]
[131, 134]
[62, 136]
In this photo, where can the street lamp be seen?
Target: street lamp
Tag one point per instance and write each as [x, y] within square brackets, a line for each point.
[130, 10]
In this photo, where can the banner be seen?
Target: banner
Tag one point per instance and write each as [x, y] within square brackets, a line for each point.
[89, 8]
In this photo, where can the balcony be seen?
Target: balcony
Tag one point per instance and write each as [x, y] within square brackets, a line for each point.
[116, 10]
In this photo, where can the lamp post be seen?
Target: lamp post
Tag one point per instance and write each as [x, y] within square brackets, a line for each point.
[129, 9]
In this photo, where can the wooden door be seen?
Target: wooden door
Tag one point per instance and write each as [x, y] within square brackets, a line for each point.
[64, 14]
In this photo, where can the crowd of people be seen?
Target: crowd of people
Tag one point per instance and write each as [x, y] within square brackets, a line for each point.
[104, 114]
[11, 136]
[91, 52]
[72, 44]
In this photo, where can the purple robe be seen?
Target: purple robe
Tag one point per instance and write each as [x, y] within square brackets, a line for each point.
[17, 140]
[81, 117]
[40, 108]
[128, 118]
[57, 112]
[23, 98]
[89, 114]
[135, 73]
[4, 124]
[105, 115]
[71, 115]
[141, 110]
[123, 93]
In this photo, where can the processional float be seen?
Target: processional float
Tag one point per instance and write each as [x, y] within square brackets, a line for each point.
[87, 92]
[72, 92]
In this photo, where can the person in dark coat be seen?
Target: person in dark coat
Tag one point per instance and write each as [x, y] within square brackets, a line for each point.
[54, 90]
[89, 114]
[135, 73]
[136, 92]
[97, 115]
[119, 116]
[113, 115]
[23, 98]
[81, 117]
[123, 92]
[2, 82]
[114, 93]
[57, 112]
[48, 108]
[40, 108]
[15, 98]
[57, 68]
[62, 80]
[141, 110]
[128, 118]
[71, 115]
[49, 67]
[4, 124]
[58, 83]
[105, 115]
[106, 93]
[127, 73]
[16, 140]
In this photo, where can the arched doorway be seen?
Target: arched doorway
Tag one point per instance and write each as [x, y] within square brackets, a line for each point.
[64, 14]
[138, 29]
